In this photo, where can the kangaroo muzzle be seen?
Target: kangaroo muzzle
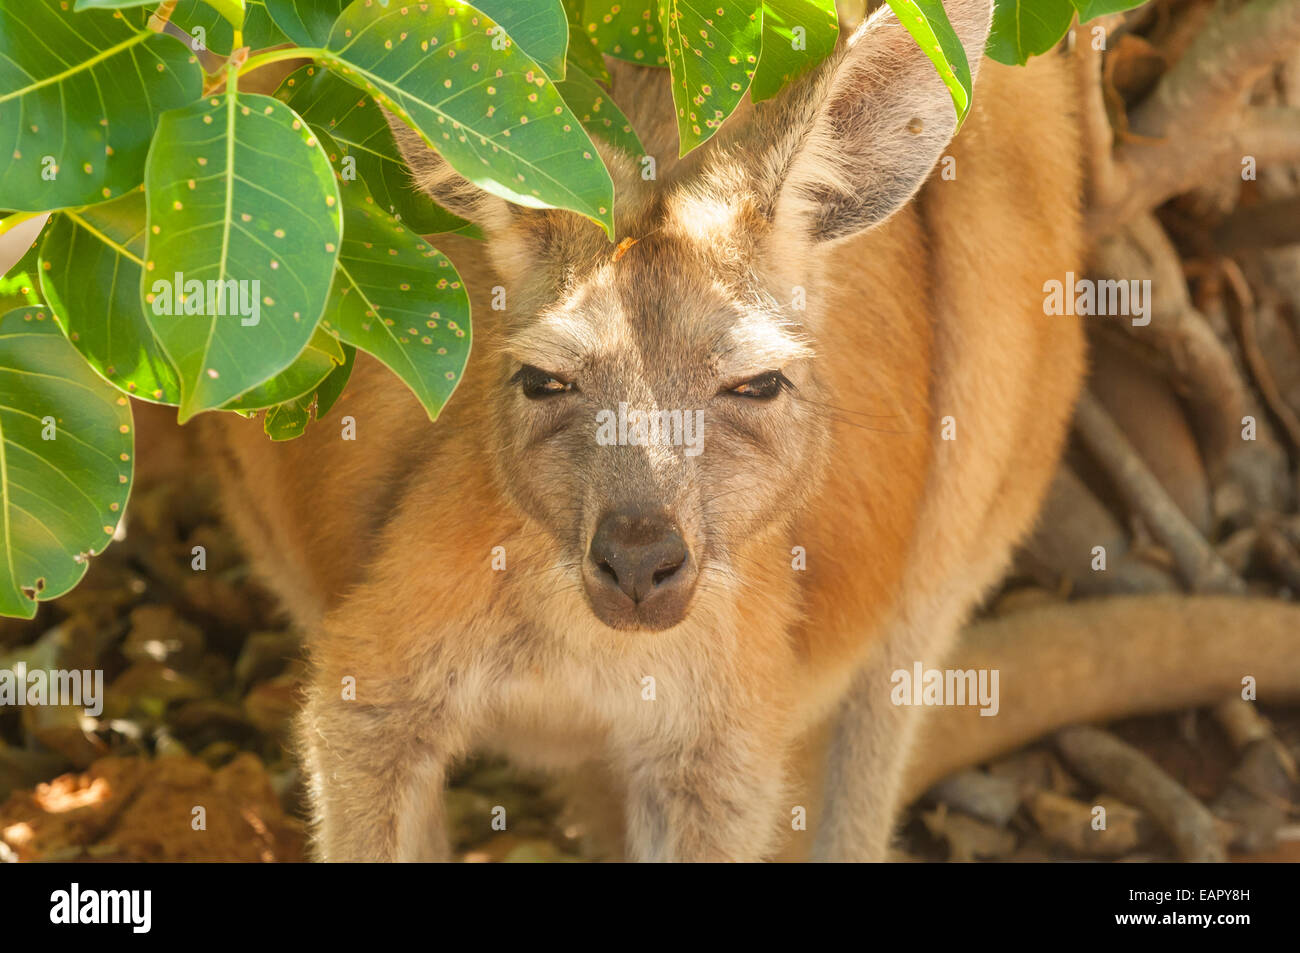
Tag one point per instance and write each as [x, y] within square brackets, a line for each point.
[639, 573]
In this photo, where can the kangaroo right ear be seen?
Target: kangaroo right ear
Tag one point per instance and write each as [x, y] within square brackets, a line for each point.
[857, 141]
[432, 174]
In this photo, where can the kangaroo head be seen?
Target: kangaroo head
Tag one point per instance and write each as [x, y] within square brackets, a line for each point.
[658, 405]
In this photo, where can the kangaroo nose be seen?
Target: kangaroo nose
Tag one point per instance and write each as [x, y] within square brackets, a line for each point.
[640, 552]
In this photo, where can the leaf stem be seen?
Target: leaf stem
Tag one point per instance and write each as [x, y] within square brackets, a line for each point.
[162, 16]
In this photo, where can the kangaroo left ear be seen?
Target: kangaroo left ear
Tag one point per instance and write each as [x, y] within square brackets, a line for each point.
[432, 174]
[871, 126]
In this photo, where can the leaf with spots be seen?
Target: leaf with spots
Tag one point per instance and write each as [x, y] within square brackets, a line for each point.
[66, 451]
[797, 35]
[80, 95]
[244, 232]
[624, 29]
[357, 125]
[289, 420]
[492, 114]
[232, 11]
[540, 27]
[712, 48]
[92, 262]
[318, 360]
[20, 284]
[582, 48]
[597, 112]
[1025, 28]
[399, 299]
[929, 26]
[218, 35]
[306, 22]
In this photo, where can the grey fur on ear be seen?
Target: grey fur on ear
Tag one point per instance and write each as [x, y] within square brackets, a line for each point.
[432, 174]
[872, 126]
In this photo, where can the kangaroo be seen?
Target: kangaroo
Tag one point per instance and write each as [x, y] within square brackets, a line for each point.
[695, 498]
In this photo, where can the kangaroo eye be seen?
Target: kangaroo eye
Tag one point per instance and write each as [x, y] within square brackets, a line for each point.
[538, 384]
[763, 387]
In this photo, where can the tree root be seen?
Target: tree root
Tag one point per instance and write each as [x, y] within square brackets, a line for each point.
[1198, 564]
[1238, 44]
[1123, 770]
[1245, 474]
[1102, 659]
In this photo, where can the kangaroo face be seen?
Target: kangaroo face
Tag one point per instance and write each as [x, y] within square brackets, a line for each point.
[657, 404]
[653, 418]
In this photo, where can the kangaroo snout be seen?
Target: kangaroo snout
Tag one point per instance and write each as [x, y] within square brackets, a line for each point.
[639, 573]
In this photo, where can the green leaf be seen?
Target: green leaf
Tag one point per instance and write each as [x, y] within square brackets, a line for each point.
[218, 35]
[397, 298]
[1025, 28]
[929, 26]
[300, 379]
[539, 27]
[232, 11]
[289, 420]
[1090, 9]
[111, 4]
[60, 498]
[597, 112]
[331, 389]
[356, 124]
[92, 263]
[491, 113]
[20, 285]
[712, 59]
[240, 190]
[582, 47]
[80, 95]
[625, 29]
[788, 54]
[306, 22]
[19, 234]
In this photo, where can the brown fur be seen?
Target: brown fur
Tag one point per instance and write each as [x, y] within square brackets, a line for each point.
[382, 547]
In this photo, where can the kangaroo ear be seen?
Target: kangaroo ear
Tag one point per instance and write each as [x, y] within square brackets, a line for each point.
[432, 174]
[865, 133]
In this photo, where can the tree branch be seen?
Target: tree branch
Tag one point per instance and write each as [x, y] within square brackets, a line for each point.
[1198, 564]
